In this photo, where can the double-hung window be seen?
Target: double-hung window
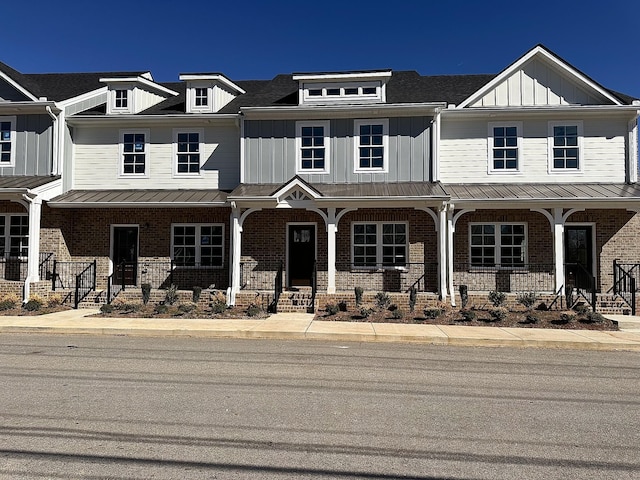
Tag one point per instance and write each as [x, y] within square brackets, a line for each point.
[312, 140]
[504, 147]
[565, 142]
[371, 145]
[7, 141]
[134, 150]
[379, 244]
[497, 244]
[187, 151]
[14, 235]
[198, 245]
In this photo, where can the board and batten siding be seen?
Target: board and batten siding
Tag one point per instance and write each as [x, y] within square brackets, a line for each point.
[97, 162]
[538, 83]
[33, 145]
[464, 154]
[270, 152]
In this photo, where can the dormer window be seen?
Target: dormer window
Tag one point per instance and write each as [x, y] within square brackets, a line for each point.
[345, 88]
[208, 92]
[122, 99]
[201, 96]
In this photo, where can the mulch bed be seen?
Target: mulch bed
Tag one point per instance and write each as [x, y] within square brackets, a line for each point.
[23, 312]
[174, 311]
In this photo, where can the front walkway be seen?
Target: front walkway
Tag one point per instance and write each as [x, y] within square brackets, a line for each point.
[301, 326]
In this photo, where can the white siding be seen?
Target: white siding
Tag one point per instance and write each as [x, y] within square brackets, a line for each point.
[221, 96]
[145, 99]
[97, 164]
[538, 83]
[464, 152]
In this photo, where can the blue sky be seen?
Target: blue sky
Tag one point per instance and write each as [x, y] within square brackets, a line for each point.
[257, 39]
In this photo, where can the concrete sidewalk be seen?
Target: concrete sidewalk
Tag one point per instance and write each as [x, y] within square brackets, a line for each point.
[302, 326]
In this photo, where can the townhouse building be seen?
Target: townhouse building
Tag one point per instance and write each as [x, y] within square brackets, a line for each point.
[313, 184]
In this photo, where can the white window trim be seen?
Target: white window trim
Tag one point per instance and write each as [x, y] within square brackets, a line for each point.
[565, 171]
[360, 97]
[200, 133]
[197, 246]
[147, 145]
[379, 245]
[498, 244]
[112, 101]
[191, 97]
[327, 146]
[13, 141]
[503, 171]
[385, 145]
[7, 233]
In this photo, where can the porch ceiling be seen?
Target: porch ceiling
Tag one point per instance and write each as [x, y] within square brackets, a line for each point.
[139, 198]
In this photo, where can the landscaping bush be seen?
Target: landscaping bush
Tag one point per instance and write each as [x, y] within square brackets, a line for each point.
[594, 317]
[497, 298]
[393, 307]
[146, 292]
[171, 296]
[382, 300]
[342, 306]
[413, 297]
[464, 295]
[468, 315]
[33, 305]
[582, 309]
[366, 311]
[254, 310]
[331, 309]
[218, 305]
[358, 292]
[161, 309]
[498, 314]
[54, 300]
[432, 313]
[530, 318]
[7, 302]
[567, 318]
[126, 307]
[186, 307]
[197, 291]
[527, 299]
[397, 314]
[106, 308]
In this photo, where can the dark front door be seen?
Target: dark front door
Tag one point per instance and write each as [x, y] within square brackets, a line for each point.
[578, 248]
[302, 254]
[125, 254]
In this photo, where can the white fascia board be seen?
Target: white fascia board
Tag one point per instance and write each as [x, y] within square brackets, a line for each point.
[136, 205]
[17, 86]
[151, 119]
[28, 107]
[292, 185]
[219, 78]
[85, 96]
[331, 111]
[48, 190]
[519, 203]
[323, 77]
[542, 110]
[141, 80]
[538, 50]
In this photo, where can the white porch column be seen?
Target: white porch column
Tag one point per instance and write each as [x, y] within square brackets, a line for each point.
[558, 248]
[236, 251]
[33, 258]
[331, 250]
[443, 251]
[450, 230]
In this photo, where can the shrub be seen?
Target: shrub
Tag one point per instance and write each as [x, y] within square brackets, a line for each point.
[331, 308]
[432, 312]
[567, 317]
[218, 305]
[33, 305]
[413, 297]
[498, 314]
[127, 307]
[527, 299]
[393, 307]
[254, 310]
[106, 308]
[497, 298]
[382, 300]
[397, 314]
[342, 306]
[9, 301]
[464, 295]
[161, 309]
[146, 292]
[197, 291]
[186, 307]
[54, 300]
[531, 318]
[594, 317]
[366, 311]
[171, 296]
[358, 292]
[468, 315]
[582, 309]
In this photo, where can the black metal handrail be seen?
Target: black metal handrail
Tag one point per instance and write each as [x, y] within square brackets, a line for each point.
[526, 277]
[387, 277]
[85, 283]
[624, 282]
[65, 272]
[45, 265]
[277, 290]
[114, 288]
[588, 293]
[314, 286]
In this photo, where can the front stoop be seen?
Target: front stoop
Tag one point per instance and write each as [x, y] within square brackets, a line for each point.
[299, 301]
[611, 304]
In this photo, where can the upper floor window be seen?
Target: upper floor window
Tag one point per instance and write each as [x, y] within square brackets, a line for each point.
[504, 147]
[121, 99]
[187, 148]
[14, 235]
[312, 147]
[201, 96]
[565, 144]
[371, 145]
[346, 92]
[379, 244]
[134, 150]
[7, 141]
[198, 245]
[497, 244]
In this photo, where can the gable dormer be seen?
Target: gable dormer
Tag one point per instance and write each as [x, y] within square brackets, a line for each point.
[130, 95]
[209, 92]
[342, 88]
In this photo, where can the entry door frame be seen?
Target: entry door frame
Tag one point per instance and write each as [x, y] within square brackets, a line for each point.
[315, 245]
[113, 226]
[594, 261]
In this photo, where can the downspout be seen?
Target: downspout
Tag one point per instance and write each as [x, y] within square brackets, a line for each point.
[55, 147]
[435, 145]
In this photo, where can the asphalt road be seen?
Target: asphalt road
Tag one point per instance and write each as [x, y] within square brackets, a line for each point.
[122, 408]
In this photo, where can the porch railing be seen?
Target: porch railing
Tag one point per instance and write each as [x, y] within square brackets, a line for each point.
[624, 282]
[314, 286]
[580, 283]
[14, 267]
[388, 278]
[64, 273]
[530, 277]
[116, 282]
[277, 290]
[85, 283]
[45, 265]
